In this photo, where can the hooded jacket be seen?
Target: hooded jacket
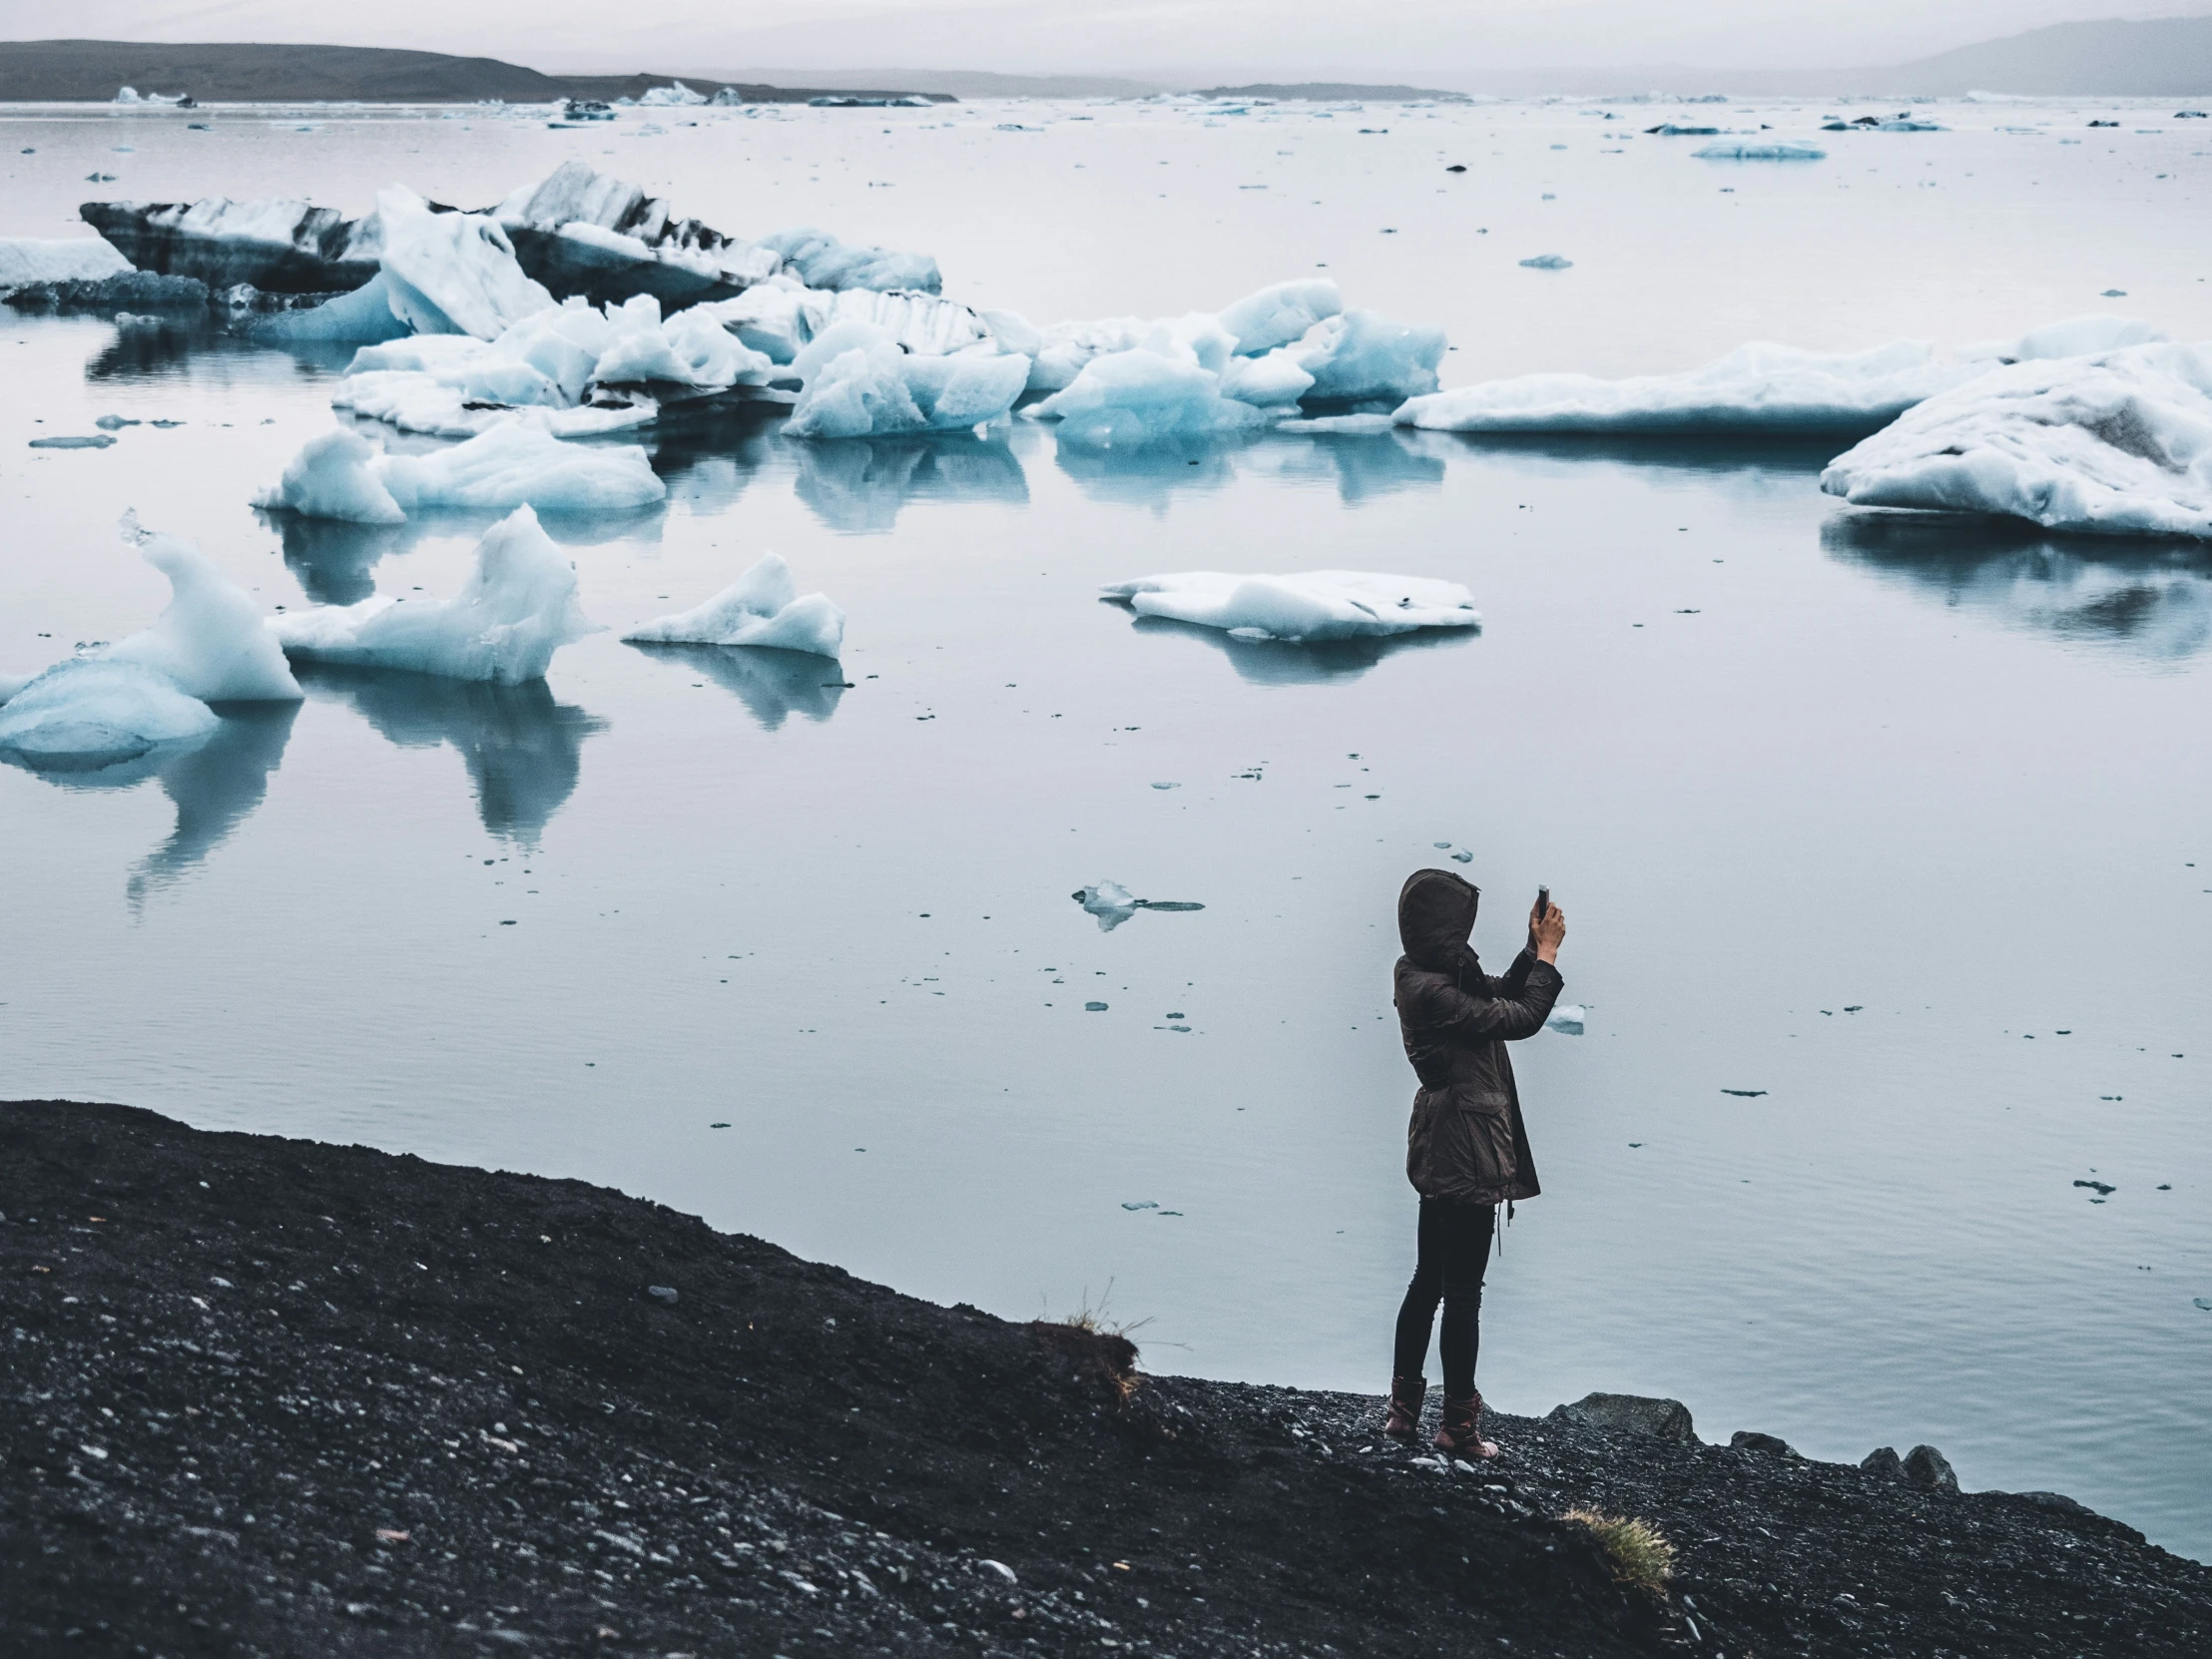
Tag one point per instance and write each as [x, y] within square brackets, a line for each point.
[1466, 1141]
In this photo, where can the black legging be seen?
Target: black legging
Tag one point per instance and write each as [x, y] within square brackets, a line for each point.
[1455, 1249]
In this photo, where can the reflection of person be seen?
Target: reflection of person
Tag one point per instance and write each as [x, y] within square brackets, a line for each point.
[1466, 1150]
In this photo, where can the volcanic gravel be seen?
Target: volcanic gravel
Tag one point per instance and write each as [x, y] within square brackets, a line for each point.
[274, 1398]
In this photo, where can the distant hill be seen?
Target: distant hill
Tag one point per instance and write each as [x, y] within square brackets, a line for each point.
[2167, 57]
[960, 83]
[1332, 92]
[70, 71]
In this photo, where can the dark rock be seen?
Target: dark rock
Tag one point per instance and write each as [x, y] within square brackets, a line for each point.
[1884, 1464]
[1665, 1419]
[1747, 1439]
[2057, 1501]
[1926, 1466]
[280, 246]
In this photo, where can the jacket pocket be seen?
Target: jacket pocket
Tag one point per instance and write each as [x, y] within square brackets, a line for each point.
[1486, 1123]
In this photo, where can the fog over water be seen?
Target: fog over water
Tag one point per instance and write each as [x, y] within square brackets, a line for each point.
[1901, 828]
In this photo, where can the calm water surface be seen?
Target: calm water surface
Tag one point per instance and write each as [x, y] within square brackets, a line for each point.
[1907, 826]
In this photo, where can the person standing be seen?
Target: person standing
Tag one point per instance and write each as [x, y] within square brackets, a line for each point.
[1466, 1148]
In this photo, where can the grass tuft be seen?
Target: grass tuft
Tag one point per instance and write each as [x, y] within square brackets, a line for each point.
[1637, 1551]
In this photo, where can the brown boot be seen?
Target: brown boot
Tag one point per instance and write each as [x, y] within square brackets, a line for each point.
[1460, 1435]
[1407, 1395]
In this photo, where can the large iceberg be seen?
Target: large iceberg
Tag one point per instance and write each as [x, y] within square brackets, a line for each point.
[1136, 398]
[762, 607]
[822, 261]
[1321, 605]
[516, 608]
[857, 383]
[26, 260]
[581, 232]
[340, 475]
[279, 246]
[116, 703]
[1756, 387]
[2113, 445]
[450, 273]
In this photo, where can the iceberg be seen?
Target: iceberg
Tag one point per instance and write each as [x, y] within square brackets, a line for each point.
[277, 245]
[361, 318]
[26, 260]
[86, 713]
[2077, 336]
[762, 607]
[452, 272]
[1756, 387]
[691, 351]
[1062, 352]
[1568, 1020]
[583, 233]
[675, 93]
[822, 261]
[1278, 314]
[1747, 150]
[116, 703]
[859, 383]
[340, 475]
[516, 608]
[2114, 444]
[1321, 605]
[1133, 398]
[1359, 356]
[209, 642]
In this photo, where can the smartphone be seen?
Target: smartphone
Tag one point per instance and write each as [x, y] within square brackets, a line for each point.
[1543, 900]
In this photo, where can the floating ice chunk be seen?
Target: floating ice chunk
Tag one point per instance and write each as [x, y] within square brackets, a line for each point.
[762, 607]
[1749, 150]
[1321, 605]
[583, 233]
[1265, 382]
[422, 402]
[689, 349]
[209, 642]
[24, 260]
[1280, 314]
[1142, 1204]
[822, 261]
[88, 713]
[1567, 1019]
[1357, 355]
[1133, 398]
[1756, 387]
[1553, 262]
[337, 476]
[340, 475]
[2077, 336]
[278, 245]
[675, 93]
[777, 317]
[2115, 444]
[363, 316]
[1063, 350]
[452, 274]
[921, 323]
[516, 608]
[91, 441]
[859, 383]
[1349, 425]
[1111, 903]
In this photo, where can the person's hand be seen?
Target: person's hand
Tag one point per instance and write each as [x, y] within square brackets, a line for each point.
[1547, 932]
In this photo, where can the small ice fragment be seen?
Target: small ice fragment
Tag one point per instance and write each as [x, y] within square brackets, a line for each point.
[1167, 785]
[1440, 845]
[1463, 857]
[762, 606]
[1318, 605]
[115, 422]
[1143, 1204]
[2103, 1189]
[1548, 262]
[98, 440]
[1094, 1007]
[663, 1293]
[1168, 904]
[1737, 150]
[1745, 1094]
[1110, 902]
[1567, 1019]
[2204, 1301]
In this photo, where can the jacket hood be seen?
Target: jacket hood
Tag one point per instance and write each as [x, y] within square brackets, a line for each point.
[1435, 914]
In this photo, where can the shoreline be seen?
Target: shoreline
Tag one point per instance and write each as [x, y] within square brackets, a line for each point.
[276, 1396]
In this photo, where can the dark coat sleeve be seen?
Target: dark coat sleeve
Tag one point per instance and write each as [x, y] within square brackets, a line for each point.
[1501, 1010]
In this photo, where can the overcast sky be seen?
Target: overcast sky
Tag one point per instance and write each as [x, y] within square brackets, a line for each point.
[1351, 38]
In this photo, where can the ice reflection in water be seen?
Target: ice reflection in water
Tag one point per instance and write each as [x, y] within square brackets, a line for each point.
[2149, 599]
[522, 747]
[772, 683]
[858, 486]
[1303, 663]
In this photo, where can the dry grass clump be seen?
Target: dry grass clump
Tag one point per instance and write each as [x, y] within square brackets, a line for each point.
[1637, 1551]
